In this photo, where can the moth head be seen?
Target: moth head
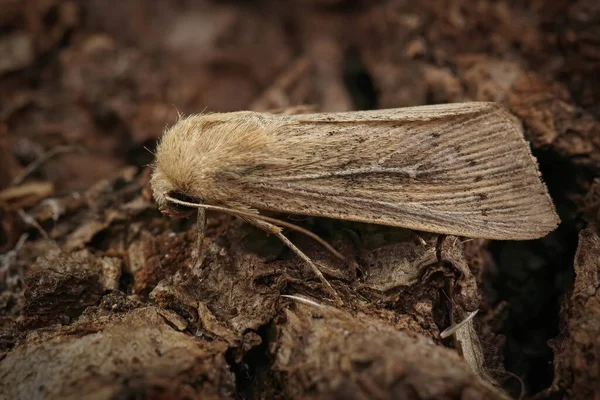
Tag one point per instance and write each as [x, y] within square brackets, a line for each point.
[163, 188]
[195, 156]
[181, 169]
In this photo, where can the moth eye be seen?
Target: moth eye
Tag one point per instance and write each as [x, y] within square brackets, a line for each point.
[181, 196]
[179, 210]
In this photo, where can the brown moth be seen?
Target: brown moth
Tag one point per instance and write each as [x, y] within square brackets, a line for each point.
[460, 169]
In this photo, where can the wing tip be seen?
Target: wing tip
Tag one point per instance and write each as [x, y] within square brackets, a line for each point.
[550, 219]
[532, 228]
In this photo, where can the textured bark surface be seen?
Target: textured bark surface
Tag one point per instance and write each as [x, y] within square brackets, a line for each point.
[577, 365]
[103, 297]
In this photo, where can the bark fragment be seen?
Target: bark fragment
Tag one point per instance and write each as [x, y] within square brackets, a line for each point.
[577, 349]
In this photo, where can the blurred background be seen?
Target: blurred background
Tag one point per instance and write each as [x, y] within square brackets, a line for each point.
[87, 87]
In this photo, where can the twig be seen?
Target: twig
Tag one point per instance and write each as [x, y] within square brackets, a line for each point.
[452, 329]
[303, 300]
[31, 168]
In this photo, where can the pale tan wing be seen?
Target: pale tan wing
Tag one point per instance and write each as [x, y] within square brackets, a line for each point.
[460, 169]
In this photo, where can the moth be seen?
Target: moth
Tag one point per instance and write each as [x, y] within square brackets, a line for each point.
[460, 169]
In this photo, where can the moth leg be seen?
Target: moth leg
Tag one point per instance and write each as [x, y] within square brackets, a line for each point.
[201, 228]
[275, 230]
[438, 247]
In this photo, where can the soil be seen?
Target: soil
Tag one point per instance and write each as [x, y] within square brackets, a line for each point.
[103, 297]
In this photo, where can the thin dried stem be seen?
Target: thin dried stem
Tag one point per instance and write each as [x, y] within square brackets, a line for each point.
[31, 168]
[455, 327]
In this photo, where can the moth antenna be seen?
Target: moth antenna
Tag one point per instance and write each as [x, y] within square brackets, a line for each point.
[275, 230]
[269, 225]
[274, 221]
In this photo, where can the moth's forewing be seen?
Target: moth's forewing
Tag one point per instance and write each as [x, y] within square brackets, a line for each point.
[461, 169]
